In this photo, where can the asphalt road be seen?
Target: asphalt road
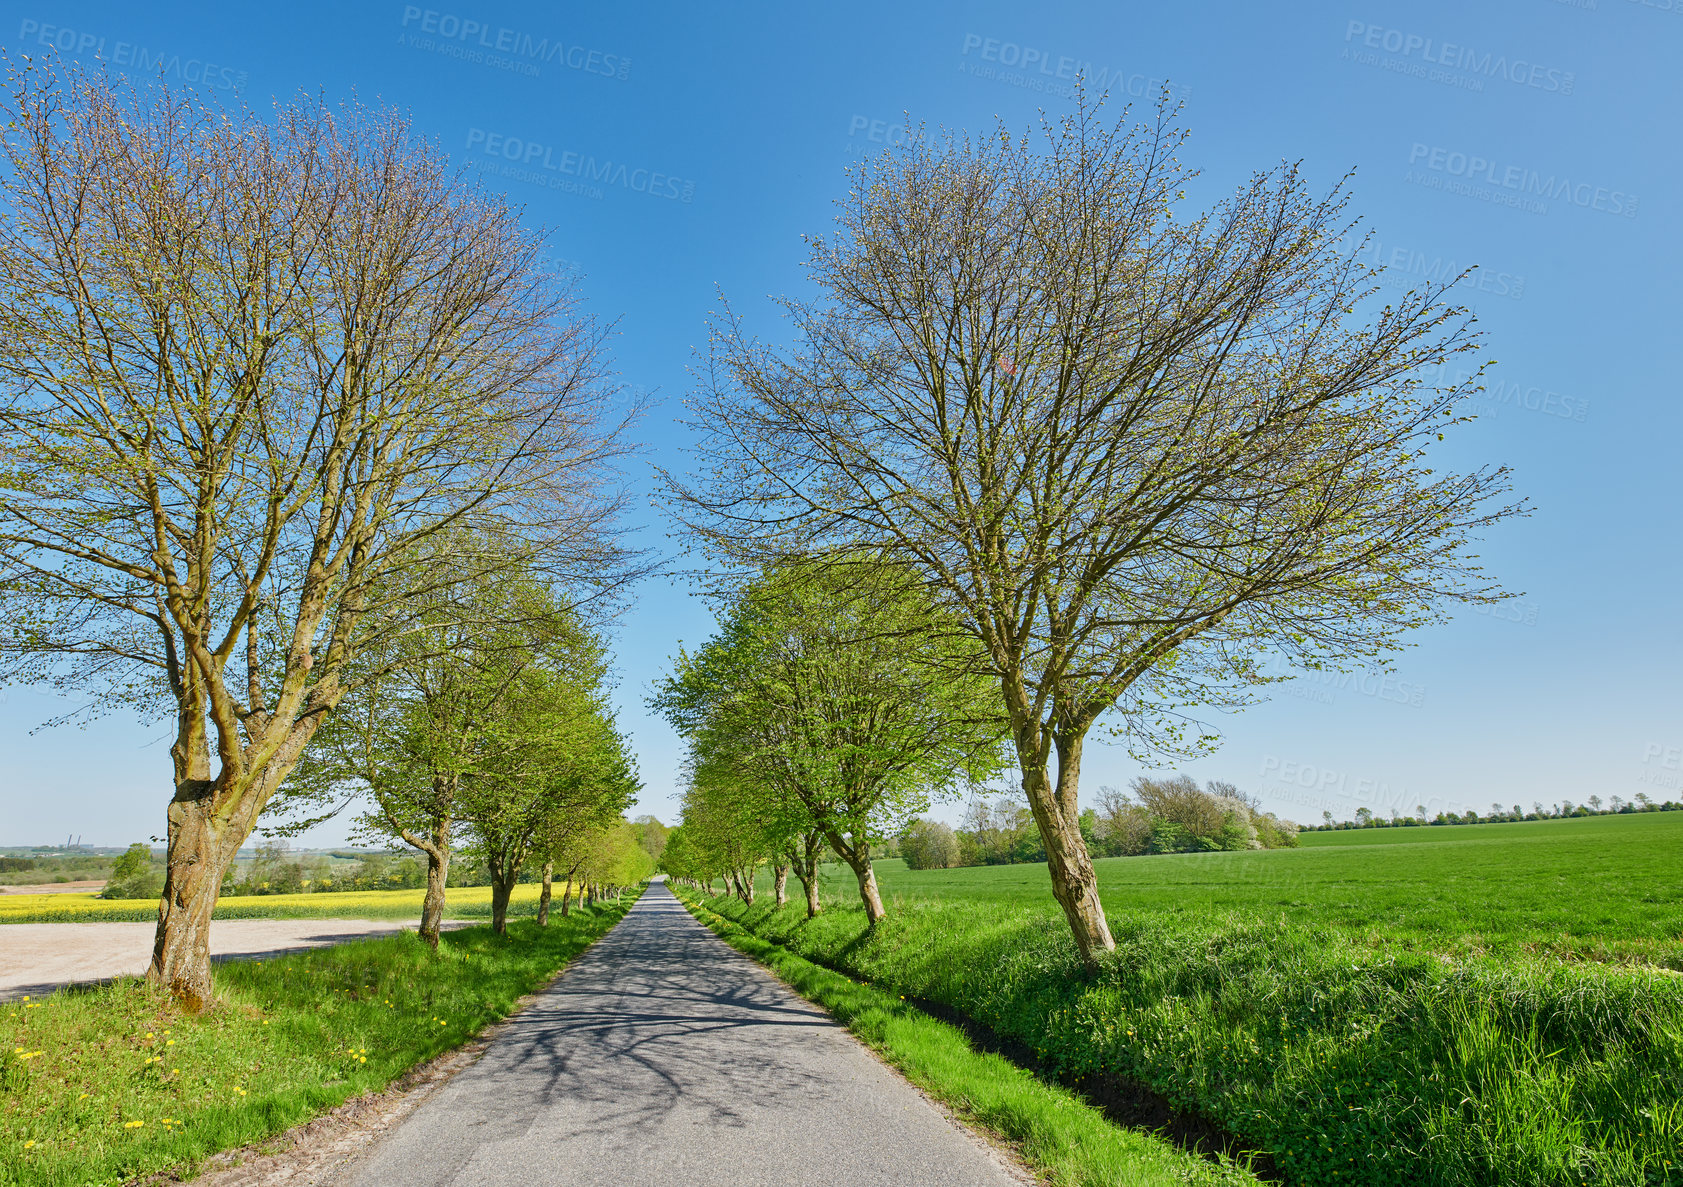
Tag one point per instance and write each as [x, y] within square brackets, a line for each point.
[664, 1057]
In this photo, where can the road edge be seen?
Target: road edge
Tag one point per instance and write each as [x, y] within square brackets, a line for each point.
[1036, 1152]
[326, 1146]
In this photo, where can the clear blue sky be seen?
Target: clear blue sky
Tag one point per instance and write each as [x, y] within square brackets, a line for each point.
[735, 123]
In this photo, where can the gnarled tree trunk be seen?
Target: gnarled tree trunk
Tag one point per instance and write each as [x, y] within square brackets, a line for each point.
[437, 850]
[200, 849]
[856, 852]
[780, 883]
[1074, 883]
[208, 820]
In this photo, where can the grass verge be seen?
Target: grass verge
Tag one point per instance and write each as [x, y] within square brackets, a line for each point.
[1062, 1137]
[101, 1085]
[1344, 1062]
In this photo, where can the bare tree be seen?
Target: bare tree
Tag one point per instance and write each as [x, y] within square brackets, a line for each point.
[1140, 454]
[245, 366]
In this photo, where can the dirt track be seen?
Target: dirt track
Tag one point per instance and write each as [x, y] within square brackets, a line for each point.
[36, 958]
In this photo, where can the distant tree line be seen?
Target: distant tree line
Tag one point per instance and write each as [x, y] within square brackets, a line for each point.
[1615, 806]
[1155, 816]
[54, 866]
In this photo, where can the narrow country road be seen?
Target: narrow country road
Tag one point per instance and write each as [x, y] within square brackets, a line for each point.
[664, 1057]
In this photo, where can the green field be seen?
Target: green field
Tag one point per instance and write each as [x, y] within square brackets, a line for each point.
[1600, 887]
[1483, 1004]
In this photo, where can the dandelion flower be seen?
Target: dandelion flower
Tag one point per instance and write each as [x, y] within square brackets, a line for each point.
[29, 1143]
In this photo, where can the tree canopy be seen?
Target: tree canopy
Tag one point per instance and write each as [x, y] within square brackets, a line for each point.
[1135, 451]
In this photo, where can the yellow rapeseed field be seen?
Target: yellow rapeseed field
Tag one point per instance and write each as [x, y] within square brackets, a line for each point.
[463, 902]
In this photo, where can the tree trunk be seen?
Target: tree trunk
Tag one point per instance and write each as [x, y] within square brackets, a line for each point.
[857, 854]
[543, 899]
[806, 869]
[810, 884]
[200, 848]
[437, 849]
[745, 887]
[1074, 883]
[500, 892]
[208, 820]
[780, 884]
[567, 892]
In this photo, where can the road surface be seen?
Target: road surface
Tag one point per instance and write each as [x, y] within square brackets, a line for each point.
[36, 958]
[663, 1057]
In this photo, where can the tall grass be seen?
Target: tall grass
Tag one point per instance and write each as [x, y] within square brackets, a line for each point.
[1347, 1062]
[1066, 1141]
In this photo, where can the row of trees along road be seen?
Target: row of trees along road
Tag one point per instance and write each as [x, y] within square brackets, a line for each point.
[1135, 455]
[831, 704]
[259, 378]
[491, 710]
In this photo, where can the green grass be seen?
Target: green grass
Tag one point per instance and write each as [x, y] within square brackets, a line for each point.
[1453, 1005]
[1062, 1137]
[1601, 888]
[113, 1082]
